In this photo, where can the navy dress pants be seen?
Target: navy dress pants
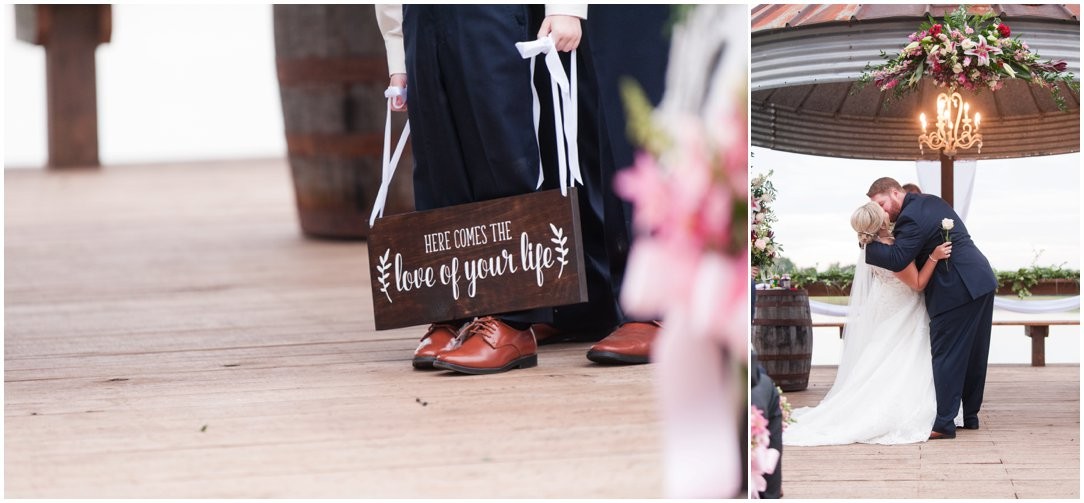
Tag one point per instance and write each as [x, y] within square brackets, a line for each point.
[960, 343]
[469, 105]
[619, 41]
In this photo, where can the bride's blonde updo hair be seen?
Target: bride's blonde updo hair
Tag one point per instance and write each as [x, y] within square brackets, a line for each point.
[867, 221]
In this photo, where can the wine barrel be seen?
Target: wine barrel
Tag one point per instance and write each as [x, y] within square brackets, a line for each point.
[783, 336]
[332, 72]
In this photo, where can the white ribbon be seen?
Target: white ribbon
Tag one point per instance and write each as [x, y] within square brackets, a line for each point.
[1013, 305]
[564, 110]
[389, 163]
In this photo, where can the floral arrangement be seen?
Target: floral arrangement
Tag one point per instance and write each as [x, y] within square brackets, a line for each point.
[764, 248]
[689, 205]
[970, 52]
[688, 265]
[762, 459]
[785, 409]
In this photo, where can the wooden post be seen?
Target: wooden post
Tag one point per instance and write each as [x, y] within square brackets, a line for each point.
[70, 35]
[1038, 334]
[946, 178]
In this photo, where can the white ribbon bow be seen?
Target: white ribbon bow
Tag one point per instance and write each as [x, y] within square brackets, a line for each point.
[564, 110]
[389, 163]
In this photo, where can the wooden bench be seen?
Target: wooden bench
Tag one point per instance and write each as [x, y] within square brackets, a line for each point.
[1038, 330]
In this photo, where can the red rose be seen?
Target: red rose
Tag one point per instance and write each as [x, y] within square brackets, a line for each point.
[935, 30]
[1004, 30]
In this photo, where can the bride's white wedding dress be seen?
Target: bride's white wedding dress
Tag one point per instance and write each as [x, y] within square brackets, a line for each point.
[883, 393]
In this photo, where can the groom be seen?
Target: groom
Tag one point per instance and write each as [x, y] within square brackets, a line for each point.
[959, 297]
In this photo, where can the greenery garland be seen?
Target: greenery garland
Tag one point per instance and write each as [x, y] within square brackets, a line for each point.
[1020, 280]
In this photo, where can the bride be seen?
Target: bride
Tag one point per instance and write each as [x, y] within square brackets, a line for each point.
[883, 392]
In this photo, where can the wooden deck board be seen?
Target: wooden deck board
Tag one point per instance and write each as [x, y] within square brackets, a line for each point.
[143, 303]
[1028, 447]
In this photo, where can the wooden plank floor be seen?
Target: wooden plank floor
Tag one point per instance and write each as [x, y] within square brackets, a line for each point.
[169, 333]
[1028, 447]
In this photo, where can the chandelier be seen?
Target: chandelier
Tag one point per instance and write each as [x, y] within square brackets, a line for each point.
[954, 128]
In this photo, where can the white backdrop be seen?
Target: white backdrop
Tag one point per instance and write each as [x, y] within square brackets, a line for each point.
[176, 83]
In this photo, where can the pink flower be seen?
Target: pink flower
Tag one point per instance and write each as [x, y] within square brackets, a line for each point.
[762, 459]
[719, 301]
[648, 294]
[982, 52]
[715, 216]
[968, 30]
[644, 186]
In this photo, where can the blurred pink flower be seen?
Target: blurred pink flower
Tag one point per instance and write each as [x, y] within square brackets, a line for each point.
[658, 276]
[720, 300]
[762, 459]
[644, 186]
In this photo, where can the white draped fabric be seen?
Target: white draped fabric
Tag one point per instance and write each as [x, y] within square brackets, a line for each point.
[963, 182]
[1014, 305]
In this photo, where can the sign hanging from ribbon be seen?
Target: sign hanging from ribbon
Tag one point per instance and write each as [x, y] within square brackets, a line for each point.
[487, 257]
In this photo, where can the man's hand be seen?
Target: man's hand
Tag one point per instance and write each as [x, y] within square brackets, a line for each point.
[398, 104]
[565, 31]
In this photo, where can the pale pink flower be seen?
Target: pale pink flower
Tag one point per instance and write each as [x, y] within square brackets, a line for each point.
[644, 185]
[982, 52]
[697, 403]
[658, 275]
[720, 300]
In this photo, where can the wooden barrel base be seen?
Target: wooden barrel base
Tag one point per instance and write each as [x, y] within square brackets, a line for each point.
[783, 337]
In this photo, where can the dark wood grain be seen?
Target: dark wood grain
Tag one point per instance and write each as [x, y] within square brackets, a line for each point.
[450, 242]
[332, 71]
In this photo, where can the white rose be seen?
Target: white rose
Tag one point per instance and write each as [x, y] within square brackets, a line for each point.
[947, 224]
[758, 218]
[761, 244]
[967, 44]
[957, 68]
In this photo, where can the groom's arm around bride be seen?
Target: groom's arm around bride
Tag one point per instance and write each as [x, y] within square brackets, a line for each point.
[963, 278]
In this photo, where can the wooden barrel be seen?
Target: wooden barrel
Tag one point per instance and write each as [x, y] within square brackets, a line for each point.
[783, 336]
[332, 72]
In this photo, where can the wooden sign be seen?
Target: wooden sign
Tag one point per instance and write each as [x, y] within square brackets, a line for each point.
[475, 259]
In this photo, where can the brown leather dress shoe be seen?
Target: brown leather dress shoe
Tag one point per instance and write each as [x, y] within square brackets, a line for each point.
[435, 341]
[488, 346]
[629, 344]
[937, 435]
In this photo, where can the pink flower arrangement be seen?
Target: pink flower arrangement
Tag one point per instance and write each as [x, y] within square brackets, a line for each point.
[762, 459]
[764, 249]
[690, 250]
[968, 52]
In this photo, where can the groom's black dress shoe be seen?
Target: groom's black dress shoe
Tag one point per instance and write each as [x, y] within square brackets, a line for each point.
[971, 425]
[937, 435]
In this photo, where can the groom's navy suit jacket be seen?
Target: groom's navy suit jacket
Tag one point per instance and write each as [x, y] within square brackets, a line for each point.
[965, 276]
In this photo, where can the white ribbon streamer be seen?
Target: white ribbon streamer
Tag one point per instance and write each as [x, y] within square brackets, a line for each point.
[1013, 305]
[389, 163]
[565, 114]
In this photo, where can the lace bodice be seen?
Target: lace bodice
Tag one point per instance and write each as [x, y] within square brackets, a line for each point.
[895, 292]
